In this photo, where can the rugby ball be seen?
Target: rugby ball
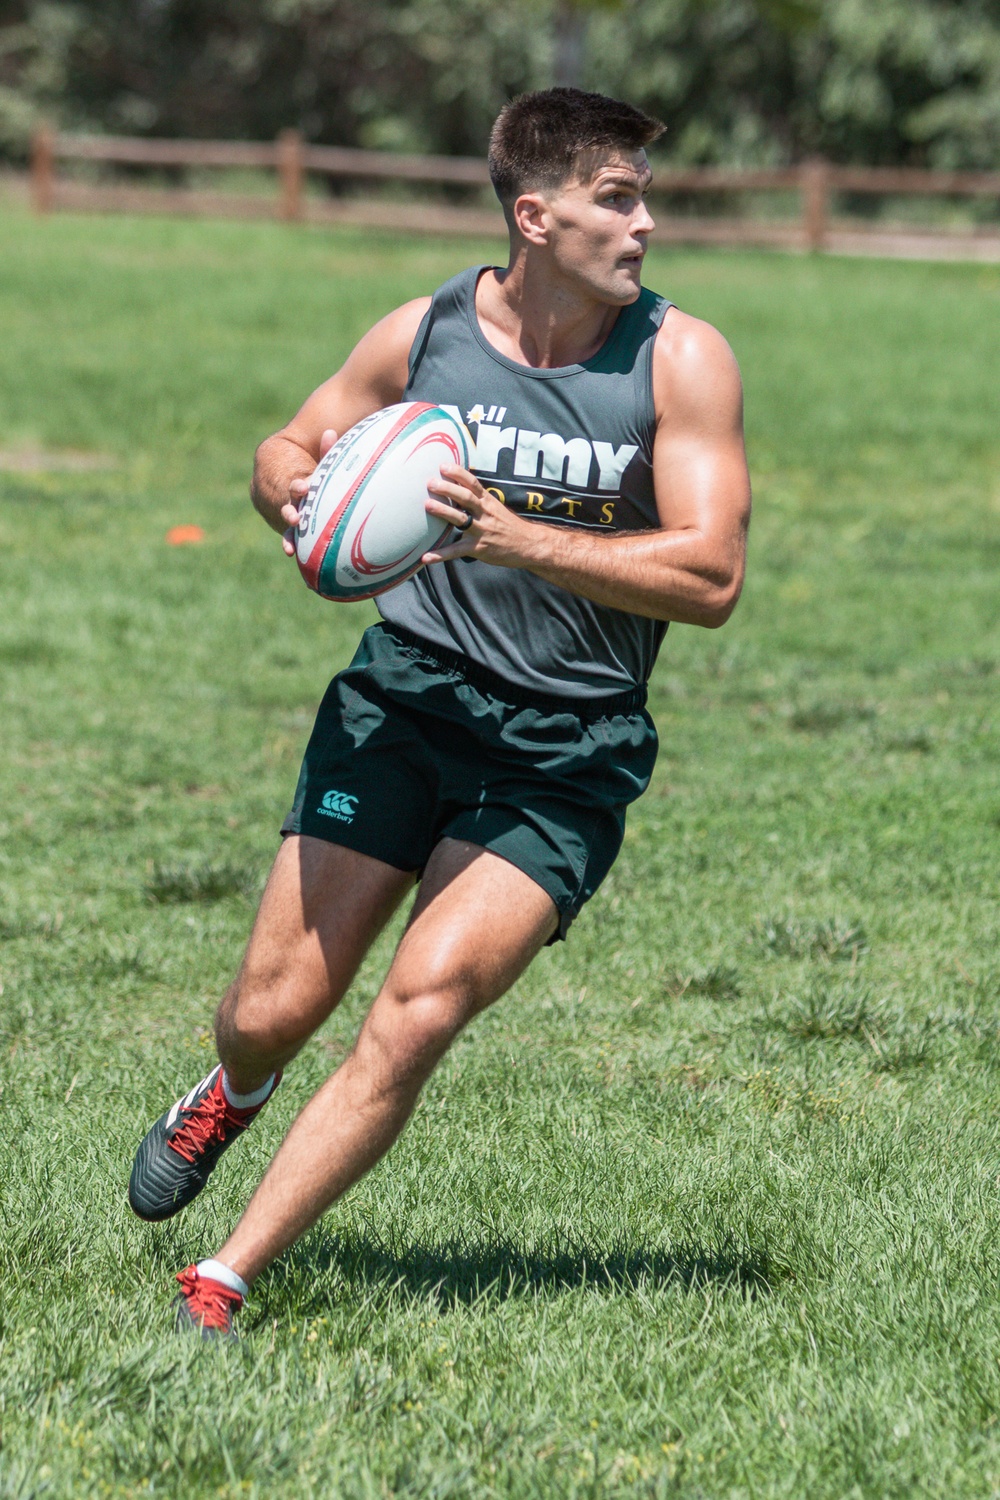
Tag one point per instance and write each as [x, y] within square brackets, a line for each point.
[363, 526]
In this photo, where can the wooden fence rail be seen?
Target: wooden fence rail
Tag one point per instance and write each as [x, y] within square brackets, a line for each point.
[815, 182]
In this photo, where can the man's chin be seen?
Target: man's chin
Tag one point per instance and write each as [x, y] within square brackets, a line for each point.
[615, 285]
[626, 289]
[628, 281]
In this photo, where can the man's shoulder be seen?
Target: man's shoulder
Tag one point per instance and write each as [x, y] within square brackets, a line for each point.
[692, 361]
[405, 320]
[463, 281]
[686, 345]
[379, 361]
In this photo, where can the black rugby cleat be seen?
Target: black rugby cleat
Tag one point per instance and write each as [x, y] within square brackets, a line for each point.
[178, 1154]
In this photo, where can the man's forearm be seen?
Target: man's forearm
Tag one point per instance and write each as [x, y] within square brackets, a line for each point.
[277, 462]
[662, 575]
[690, 573]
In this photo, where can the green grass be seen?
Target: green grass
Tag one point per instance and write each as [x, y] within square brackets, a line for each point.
[708, 1206]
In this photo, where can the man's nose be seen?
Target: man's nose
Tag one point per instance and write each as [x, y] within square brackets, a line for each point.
[643, 221]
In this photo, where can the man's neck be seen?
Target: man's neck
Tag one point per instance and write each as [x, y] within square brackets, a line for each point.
[534, 317]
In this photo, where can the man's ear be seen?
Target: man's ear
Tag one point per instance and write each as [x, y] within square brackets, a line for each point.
[531, 218]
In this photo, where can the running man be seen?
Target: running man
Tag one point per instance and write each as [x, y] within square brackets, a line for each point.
[491, 732]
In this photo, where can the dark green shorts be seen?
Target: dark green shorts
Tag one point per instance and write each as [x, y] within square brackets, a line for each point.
[413, 744]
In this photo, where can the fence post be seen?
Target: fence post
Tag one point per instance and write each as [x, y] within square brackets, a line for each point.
[815, 177]
[43, 151]
[290, 174]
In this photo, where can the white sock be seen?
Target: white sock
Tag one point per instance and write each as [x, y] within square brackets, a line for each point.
[218, 1272]
[246, 1101]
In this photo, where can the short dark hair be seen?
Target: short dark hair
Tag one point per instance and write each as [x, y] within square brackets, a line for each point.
[538, 137]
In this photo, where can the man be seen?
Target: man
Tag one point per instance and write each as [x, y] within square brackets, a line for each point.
[491, 732]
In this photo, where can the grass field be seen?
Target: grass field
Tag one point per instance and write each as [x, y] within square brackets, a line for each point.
[708, 1206]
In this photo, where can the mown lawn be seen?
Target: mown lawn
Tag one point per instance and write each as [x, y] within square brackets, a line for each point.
[708, 1206]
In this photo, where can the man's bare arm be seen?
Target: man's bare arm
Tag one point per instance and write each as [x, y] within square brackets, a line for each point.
[373, 376]
[692, 569]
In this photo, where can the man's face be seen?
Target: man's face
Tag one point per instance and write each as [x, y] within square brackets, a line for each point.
[600, 225]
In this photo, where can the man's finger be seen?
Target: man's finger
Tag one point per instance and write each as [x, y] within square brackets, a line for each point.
[446, 554]
[456, 515]
[327, 441]
[288, 542]
[457, 475]
[455, 496]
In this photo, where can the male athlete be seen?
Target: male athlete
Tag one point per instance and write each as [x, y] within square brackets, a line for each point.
[490, 733]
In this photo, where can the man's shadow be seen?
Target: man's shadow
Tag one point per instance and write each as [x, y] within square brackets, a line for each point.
[499, 1269]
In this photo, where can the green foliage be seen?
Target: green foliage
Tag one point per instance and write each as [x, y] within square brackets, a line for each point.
[736, 80]
[901, 81]
[200, 880]
[791, 938]
[826, 1011]
[717, 982]
[687, 1214]
[38, 42]
[422, 74]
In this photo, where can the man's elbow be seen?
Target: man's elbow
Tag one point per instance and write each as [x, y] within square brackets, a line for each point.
[720, 601]
[263, 464]
[726, 603]
[256, 488]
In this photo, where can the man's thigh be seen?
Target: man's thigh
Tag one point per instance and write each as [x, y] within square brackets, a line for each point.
[322, 908]
[476, 924]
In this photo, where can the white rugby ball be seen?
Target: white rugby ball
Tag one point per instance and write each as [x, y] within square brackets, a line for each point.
[363, 526]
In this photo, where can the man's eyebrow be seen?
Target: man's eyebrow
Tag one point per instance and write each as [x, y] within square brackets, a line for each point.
[623, 177]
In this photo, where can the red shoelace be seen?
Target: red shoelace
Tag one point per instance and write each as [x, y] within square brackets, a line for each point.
[204, 1123]
[209, 1302]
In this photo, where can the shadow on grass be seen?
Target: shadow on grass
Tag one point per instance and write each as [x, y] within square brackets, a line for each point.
[500, 1269]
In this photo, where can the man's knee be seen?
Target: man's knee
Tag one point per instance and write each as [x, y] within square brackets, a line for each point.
[409, 1030]
[269, 1012]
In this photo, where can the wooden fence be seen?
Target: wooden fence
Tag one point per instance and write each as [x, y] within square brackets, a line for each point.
[815, 184]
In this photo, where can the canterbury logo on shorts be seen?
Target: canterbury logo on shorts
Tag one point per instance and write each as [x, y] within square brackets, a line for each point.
[338, 805]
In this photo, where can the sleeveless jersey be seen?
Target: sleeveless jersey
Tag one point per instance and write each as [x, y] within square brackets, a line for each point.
[571, 446]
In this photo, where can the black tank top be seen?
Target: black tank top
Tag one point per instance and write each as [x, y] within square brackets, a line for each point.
[571, 446]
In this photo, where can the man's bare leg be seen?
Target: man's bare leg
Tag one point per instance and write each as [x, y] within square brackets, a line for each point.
[477, 923]
[321, 911]
[322, 907]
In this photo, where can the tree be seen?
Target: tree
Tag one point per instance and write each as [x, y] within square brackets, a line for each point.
[570, 26]
[751, 81]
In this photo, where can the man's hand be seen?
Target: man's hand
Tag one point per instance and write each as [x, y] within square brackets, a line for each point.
[494, 533]
[297, 492]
